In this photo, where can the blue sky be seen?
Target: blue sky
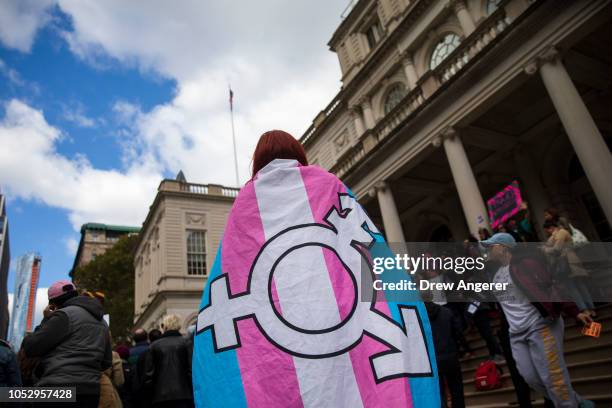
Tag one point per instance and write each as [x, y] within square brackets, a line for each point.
[101, 100]
[77, 98]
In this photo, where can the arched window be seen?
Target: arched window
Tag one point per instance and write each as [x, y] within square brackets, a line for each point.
[443, 49]
[492, 5]
[394, 96]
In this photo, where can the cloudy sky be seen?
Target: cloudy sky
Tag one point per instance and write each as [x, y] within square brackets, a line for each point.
[100, 100]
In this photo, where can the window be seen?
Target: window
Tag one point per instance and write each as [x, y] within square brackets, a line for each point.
[443, 49]
[373, 34]
[394, 97]
[196, 252]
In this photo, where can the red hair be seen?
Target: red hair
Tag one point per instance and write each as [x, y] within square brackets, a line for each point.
[277, 144]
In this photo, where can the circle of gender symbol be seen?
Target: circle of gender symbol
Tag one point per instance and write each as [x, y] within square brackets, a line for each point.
[341, 235]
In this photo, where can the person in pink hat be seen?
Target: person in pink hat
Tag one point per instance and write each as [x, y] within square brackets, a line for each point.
[72, 343]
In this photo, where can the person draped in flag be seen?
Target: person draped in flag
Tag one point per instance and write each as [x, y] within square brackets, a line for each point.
[283, 322]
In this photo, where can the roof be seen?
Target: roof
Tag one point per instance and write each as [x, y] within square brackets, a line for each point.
[107, 227]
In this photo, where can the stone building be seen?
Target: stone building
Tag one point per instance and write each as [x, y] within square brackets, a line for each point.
[96, 239]
[5, 260]
[177, 248]
[444, 103]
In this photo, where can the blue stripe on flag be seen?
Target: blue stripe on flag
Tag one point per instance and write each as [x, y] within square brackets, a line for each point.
[217, 380]
[425, 390]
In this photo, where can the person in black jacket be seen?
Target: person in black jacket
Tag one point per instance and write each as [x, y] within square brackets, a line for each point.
[141, 394]
[9, 370]
[168, 367]
[72, 344]
[445, 329]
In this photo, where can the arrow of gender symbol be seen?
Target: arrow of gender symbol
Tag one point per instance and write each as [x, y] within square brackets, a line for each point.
[407, 354]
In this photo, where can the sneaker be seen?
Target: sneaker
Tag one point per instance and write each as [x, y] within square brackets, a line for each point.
[498, 359]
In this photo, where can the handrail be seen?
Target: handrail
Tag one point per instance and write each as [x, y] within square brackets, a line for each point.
[329, 109]
[195, 188]
[471, 46]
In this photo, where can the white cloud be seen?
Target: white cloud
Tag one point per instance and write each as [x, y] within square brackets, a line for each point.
[72, 244]
[12, 75]
[20, 20]
[273, 53]
[15, 79]
[75, 113]
[31, 168]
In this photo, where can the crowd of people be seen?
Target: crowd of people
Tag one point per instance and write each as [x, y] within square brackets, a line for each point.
[155, 369]
[72, 347]
[546, 282]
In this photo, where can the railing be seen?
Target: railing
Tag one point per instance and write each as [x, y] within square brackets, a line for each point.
[482, 37]
[229, 191]
[348, 9]
[329, 109]
[405, 107]
[194, 188]
[486, 32]
[349, 159]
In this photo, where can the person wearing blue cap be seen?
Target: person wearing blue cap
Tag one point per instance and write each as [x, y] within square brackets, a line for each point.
[535, 322]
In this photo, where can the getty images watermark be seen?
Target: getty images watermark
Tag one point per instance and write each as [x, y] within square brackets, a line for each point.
[471, 272]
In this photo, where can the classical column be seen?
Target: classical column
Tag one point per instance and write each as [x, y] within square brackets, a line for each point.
[366, 106]
[537, 198]
[410, 71]
[390, 216]
[359, 128]
[471, 200]
[464, 17]
[580, 127]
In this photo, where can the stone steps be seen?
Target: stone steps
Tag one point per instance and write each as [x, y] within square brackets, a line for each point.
[592, 385]
[479, 346]
[601, 400]
[602, 366]
[589, 362]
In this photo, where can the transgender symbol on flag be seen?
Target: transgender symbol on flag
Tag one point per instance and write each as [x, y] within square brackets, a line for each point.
[407, 354]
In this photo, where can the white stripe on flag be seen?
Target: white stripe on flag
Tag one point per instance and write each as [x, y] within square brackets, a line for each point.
[283, 202]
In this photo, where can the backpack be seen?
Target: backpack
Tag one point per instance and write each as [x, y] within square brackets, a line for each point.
[488, 376]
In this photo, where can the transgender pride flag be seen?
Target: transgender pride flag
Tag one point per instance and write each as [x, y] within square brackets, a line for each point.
[282, 323]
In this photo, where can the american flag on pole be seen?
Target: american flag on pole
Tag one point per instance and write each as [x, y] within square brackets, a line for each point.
[231, 99]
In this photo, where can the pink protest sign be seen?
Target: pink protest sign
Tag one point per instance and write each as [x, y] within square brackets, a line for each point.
[504, 204]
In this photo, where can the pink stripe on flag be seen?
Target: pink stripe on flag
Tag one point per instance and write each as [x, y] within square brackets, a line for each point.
[390, 393]
[268, 374]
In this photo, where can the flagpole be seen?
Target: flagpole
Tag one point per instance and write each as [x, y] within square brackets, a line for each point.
[234, 136]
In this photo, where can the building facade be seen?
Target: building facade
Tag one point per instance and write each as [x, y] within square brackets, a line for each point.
[444, 103]
[5, 260]
[27, 273]
[96, 239]
[177, 247]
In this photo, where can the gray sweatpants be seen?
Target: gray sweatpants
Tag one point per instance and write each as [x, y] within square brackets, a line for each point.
[539, 358]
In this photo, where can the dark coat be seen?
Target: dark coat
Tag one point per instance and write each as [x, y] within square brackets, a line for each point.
[9, 370]
[445, 329]
[168, 368]
[73, 344]
[137, 350]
